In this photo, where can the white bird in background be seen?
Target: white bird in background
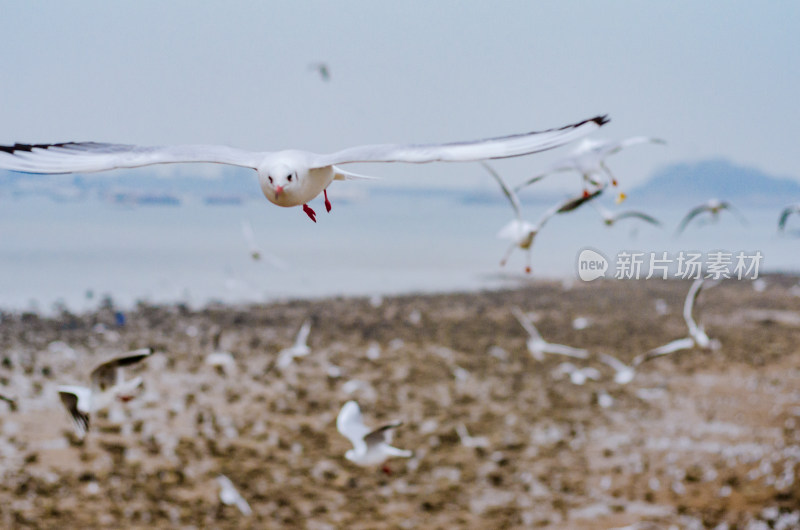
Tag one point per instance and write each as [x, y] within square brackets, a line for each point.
[230, 496]
[609, 217]
[713, 207]
[300, 348]
[789, 210]
[108, 383]
[255, 250]
[521, 233]
[470, 441]
[589, 159]
[370, 447]
[697, 335]
[537, 346]
[287, 178]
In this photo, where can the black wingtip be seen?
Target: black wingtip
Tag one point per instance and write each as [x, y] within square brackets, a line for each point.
[11, 149]
[601, 120]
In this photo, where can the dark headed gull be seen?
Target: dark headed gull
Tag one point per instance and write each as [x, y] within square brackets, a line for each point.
[589, 159]
[537, 346]
[287, 178]
[713, 207]
[370, 447]
[107, 384]
[522, 233]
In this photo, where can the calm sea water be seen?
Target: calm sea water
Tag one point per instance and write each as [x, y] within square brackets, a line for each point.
[74, 253]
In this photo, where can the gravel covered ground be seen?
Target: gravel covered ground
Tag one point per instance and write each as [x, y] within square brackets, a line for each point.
[698, 439]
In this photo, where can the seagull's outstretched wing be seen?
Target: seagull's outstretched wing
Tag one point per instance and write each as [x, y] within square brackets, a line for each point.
[510, 195]
[611, 148]
[87, 157]
[735, 211]
[676, 345]
[301, 341]
[697, 210]
[789, 210]
[500, 147]
[107, 374]
[569, 351]
[638, 215]
[526, 323]
[350, 423]
[71, 397]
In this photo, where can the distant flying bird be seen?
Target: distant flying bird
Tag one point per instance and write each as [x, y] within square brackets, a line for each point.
[256, 253]
[522, 233]
[107, 384]
[589, 159]
[287, 178]
[610, 218]
[370, 447]
[697, 335]
[623, 374]
[789, 210]
[230, 496]
[537, 346]
[322, 69]
[300, 347]
[713, 207]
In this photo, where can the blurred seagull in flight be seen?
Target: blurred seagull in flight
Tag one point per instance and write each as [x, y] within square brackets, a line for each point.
[287, 178]
[713, 207]
[370, 447]
[697, 335]
[589, 159]
[108, 383]
[229, 495]
[255, 250]
[300, 347]
[521, 233]
[789, 210]
[537, 346]
[610, 218]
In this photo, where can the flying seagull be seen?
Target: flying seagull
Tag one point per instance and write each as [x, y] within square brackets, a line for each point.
[256, 253]
[370, 447]
[537, 346]
[229, 495]
[713, 207]
[300, 348]
[610, 218]
[287, 178]
[697, 335]
[789, 210]
[589, 159]
[107, 384]
[521, 233]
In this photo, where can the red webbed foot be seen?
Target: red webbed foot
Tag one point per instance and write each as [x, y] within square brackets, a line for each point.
[586, 194]
[310, 213]
[327, 202]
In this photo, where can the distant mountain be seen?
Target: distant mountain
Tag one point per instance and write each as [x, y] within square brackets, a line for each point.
[716, 178]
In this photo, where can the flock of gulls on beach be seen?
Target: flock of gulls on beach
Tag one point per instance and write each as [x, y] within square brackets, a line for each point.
[293, 178]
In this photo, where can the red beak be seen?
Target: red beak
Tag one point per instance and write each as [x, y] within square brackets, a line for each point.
[278, 191]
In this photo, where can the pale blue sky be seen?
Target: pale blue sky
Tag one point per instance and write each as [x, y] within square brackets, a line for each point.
[715, 79]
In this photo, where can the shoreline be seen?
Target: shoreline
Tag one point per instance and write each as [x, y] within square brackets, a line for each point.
[681, 444]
